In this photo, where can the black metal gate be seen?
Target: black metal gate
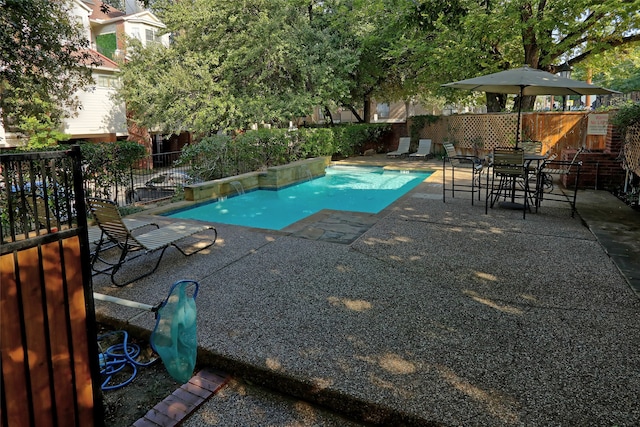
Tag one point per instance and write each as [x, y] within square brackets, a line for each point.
[48, 351]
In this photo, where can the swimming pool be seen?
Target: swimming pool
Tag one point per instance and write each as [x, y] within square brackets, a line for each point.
[344, 188]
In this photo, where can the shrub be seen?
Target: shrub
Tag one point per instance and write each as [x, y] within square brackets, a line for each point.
[352, 138]
[315, 142]
[109, 164]
[221, 156]
[210, 158]
[263, 148]
[628, 115]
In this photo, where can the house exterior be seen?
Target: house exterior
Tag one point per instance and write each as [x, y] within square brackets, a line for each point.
[109, 31]
[101, 118]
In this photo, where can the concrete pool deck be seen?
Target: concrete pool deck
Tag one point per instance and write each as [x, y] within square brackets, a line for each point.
[428, 313]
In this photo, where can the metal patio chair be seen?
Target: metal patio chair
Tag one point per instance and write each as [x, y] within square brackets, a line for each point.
[471, 164]
[549, 170]
[510, 170]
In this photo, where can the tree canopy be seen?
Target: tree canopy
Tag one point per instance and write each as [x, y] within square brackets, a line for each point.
[235, 63]
[493, 36]
[44, 62]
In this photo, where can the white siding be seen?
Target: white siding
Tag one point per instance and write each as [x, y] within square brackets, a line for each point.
[138, 29]
[99, 114]
[105, 29]
[82, 13]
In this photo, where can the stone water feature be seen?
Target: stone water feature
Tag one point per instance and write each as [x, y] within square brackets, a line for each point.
[272, 178]
[237, 185]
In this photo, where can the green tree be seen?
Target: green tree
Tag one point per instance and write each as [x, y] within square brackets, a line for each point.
[44, 62]
[109, 164]
[484, 37]
[617, 68]
[374, 31]
[234, 63]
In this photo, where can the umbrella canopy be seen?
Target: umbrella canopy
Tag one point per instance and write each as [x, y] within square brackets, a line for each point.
[527, 81]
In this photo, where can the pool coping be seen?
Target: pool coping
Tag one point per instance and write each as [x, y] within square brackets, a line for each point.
[327, 224]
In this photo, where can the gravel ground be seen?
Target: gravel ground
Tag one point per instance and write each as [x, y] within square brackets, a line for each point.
[436, 315]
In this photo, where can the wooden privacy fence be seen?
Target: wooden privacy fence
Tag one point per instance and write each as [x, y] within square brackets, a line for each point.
[484, 132]
[48, 351]
[608, 158]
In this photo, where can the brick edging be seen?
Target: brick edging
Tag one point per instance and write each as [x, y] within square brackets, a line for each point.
[185, 400]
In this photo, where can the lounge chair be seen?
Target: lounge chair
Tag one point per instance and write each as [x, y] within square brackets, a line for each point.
[45, 220]
[107, 216]
[424, 150]
[133, 224]
[97, 240]
[403, 147]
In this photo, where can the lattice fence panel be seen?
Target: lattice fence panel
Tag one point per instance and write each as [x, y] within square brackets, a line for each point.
[473, 131]
[455, 129]
[632, 149]
[557, 132]
[487, 130]
[499, 130]
[434, 131]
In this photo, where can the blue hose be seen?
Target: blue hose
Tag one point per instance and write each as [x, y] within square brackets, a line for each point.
[118, 357]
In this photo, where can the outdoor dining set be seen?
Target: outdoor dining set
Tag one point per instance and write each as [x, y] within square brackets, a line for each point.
[521, 173]
[513, 178]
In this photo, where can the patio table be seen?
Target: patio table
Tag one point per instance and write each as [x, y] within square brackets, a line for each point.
[529, 160]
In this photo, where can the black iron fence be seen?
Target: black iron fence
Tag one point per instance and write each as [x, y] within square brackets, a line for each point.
[37, 194]
[153, 178]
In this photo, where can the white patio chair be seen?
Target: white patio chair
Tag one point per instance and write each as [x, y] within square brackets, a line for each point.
[424, 150]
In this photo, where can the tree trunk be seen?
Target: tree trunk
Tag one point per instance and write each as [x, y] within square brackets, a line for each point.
[496, 102]
[587, 102]
[367, 109]
[355, 113]
[328, 119]
[528, 101]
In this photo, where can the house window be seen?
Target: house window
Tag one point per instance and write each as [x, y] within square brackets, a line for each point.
[106, 44]
[151, 36]
[107, 81]
[382, 109]
[135, 33]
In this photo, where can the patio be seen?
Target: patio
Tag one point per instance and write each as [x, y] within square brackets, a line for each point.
[432, 313]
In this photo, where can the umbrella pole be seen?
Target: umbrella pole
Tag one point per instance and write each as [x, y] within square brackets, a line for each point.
[519, 115]
[513, 184]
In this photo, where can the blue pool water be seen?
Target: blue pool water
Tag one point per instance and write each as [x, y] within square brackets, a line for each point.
[358, 189]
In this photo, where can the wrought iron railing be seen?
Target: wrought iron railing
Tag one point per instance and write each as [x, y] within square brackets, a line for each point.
[153, 178]
[38, 193]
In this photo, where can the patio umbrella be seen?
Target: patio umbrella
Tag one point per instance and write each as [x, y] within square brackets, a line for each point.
[528, 81]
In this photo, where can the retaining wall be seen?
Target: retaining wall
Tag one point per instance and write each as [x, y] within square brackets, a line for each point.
[272, 178]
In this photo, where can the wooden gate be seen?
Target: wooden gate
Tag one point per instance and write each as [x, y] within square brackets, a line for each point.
[49, 358]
